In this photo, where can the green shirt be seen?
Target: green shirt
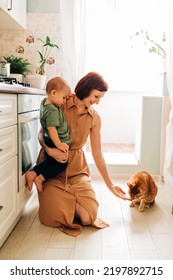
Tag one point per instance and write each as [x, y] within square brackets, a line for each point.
[51, 115]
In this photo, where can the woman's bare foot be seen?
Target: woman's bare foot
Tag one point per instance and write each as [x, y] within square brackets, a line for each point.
[30, 176]
[39, 182]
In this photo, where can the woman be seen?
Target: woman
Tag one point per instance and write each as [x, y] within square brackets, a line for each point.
[69, 201]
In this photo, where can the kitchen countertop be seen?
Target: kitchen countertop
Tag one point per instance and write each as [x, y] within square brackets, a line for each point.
[5, 88]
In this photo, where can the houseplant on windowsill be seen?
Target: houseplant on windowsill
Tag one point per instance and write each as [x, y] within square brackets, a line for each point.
[44, 57]
[158, 48]
[19, 67]
[153, 46]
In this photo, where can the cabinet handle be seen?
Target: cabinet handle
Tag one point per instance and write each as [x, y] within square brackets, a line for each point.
[1, 207]
[9, 5]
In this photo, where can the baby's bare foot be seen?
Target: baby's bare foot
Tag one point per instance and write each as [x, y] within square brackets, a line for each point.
[30, 176]
[39, 183]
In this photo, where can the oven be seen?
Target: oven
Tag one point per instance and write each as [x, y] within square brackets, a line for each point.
[28, 127]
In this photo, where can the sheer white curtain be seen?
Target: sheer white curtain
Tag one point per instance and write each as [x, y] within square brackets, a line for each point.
[102, 30]
[75, 23]
[96, 36]
[73, 16]
[168, 168]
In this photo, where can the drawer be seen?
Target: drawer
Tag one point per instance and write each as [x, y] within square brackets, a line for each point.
[8, 143]
[8, 194]
[8, 110]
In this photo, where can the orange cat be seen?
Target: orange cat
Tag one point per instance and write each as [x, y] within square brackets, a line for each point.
[142, 190]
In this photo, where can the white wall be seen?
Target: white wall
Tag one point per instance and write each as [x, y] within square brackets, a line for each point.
[149, 122]
[119, 112]
[42, 6]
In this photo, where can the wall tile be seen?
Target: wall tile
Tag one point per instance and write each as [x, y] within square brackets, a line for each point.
[39, 25]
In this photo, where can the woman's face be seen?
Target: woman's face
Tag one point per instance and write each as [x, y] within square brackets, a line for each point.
[93, 98]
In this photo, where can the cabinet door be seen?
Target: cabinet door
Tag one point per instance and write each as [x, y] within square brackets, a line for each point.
[8, 196]
[13, 14]
[17, 10]
[8, 110]
[8, 143]
[3, 4]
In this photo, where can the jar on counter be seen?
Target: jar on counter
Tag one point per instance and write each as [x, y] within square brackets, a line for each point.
[4, 68]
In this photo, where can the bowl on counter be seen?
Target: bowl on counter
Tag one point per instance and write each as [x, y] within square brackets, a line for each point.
[36, 81]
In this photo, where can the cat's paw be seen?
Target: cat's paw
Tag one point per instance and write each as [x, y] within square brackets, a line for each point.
[147, 206]
[141, 209]
[132, 204]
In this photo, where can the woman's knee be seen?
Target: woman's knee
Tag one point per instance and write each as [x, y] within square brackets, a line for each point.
[85, 221]
[83, 215]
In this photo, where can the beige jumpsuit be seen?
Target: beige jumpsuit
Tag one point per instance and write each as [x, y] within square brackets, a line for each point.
[58, 200]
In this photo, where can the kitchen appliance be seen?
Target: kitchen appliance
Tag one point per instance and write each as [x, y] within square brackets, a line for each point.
[28, 127]
[12, 81]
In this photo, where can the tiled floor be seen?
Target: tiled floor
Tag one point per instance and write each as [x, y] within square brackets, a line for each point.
[131, 235]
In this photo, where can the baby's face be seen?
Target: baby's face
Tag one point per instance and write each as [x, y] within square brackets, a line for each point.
[60, 96]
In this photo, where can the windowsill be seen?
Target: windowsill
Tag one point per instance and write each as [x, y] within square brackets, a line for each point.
[134, 92]
[115, 159]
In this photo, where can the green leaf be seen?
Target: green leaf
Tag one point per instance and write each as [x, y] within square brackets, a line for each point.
[46, 49]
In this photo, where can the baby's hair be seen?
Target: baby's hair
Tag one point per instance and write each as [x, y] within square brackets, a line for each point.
[56, 83]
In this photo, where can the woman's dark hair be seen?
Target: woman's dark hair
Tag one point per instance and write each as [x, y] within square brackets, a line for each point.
[88, 83]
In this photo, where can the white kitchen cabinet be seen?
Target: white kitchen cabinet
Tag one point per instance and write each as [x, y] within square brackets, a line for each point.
[13, 198]
[3, 4]
[8, 143]
[13, 14]
[8, 197]
[8, 164]
[8, 110]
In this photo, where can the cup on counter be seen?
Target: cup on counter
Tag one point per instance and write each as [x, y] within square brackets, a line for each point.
[4, 68]
[7, 67]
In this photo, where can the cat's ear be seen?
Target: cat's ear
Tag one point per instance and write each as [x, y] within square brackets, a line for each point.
[130, 185]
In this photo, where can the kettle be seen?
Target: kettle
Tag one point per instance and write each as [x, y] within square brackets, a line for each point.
[4, 68]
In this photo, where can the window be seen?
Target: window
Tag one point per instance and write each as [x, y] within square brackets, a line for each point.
[125, 63]
[98, 39]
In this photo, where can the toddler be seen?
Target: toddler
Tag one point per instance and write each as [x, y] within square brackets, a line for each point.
[56, 133]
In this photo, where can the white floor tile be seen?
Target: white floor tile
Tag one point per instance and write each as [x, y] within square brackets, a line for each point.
[58, 254]
[138, 234]
[114, 240]
[144, 255]
[60, 240]
[164, 245]
[89, 244]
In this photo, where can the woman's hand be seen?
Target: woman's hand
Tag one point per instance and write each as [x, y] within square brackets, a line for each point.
[57, 154]
[120, 193]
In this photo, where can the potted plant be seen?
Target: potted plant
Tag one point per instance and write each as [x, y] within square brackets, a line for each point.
[44, 54]
[156, 48]
[39, 79]
[19, 66]
[152, 45]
